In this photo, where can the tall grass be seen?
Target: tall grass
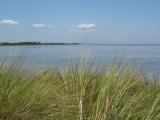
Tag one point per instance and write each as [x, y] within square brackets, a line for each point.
[77, 92]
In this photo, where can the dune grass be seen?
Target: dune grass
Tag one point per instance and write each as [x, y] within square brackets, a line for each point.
[77, 92]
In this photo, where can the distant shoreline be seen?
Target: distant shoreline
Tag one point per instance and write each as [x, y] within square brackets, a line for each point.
[99, 44]
[33, 43]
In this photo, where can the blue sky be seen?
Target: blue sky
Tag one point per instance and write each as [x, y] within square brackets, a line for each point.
[95, 21]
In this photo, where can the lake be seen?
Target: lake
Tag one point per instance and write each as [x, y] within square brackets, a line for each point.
[52, 55]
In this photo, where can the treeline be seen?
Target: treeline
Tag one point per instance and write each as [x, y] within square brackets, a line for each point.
[19, 43]
[33, 43]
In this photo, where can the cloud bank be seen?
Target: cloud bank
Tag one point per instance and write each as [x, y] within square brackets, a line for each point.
[9, 22]
[87, 26]
[41, 26]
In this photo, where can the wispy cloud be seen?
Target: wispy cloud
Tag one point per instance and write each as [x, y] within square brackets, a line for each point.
[41, 26]
[85, 26]
[9, 22]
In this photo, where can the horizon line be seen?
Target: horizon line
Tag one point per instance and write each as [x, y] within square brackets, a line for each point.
[78, 43]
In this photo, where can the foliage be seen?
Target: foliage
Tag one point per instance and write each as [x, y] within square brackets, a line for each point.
[77, 92]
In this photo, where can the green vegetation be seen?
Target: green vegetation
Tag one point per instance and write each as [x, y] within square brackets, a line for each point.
[77, 92]
[100, 44]
[33, 43]
[19, 43]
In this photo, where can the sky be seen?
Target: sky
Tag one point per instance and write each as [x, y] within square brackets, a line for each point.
[86, 21]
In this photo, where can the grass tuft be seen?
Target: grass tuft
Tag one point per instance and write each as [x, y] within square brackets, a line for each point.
[77, 92]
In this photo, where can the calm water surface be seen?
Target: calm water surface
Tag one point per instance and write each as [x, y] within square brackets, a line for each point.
[147, 56]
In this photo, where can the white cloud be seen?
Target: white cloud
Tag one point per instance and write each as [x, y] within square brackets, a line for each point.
[41, 26]
[87, 26]
[9, 22]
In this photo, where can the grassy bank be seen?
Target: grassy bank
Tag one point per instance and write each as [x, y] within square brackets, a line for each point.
[77, 92]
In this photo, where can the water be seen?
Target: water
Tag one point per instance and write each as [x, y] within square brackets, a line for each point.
[147, 56]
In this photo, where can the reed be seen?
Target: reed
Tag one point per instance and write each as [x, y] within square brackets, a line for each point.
[77, 92]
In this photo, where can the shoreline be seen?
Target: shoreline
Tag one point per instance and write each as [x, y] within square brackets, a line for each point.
[89, 44]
